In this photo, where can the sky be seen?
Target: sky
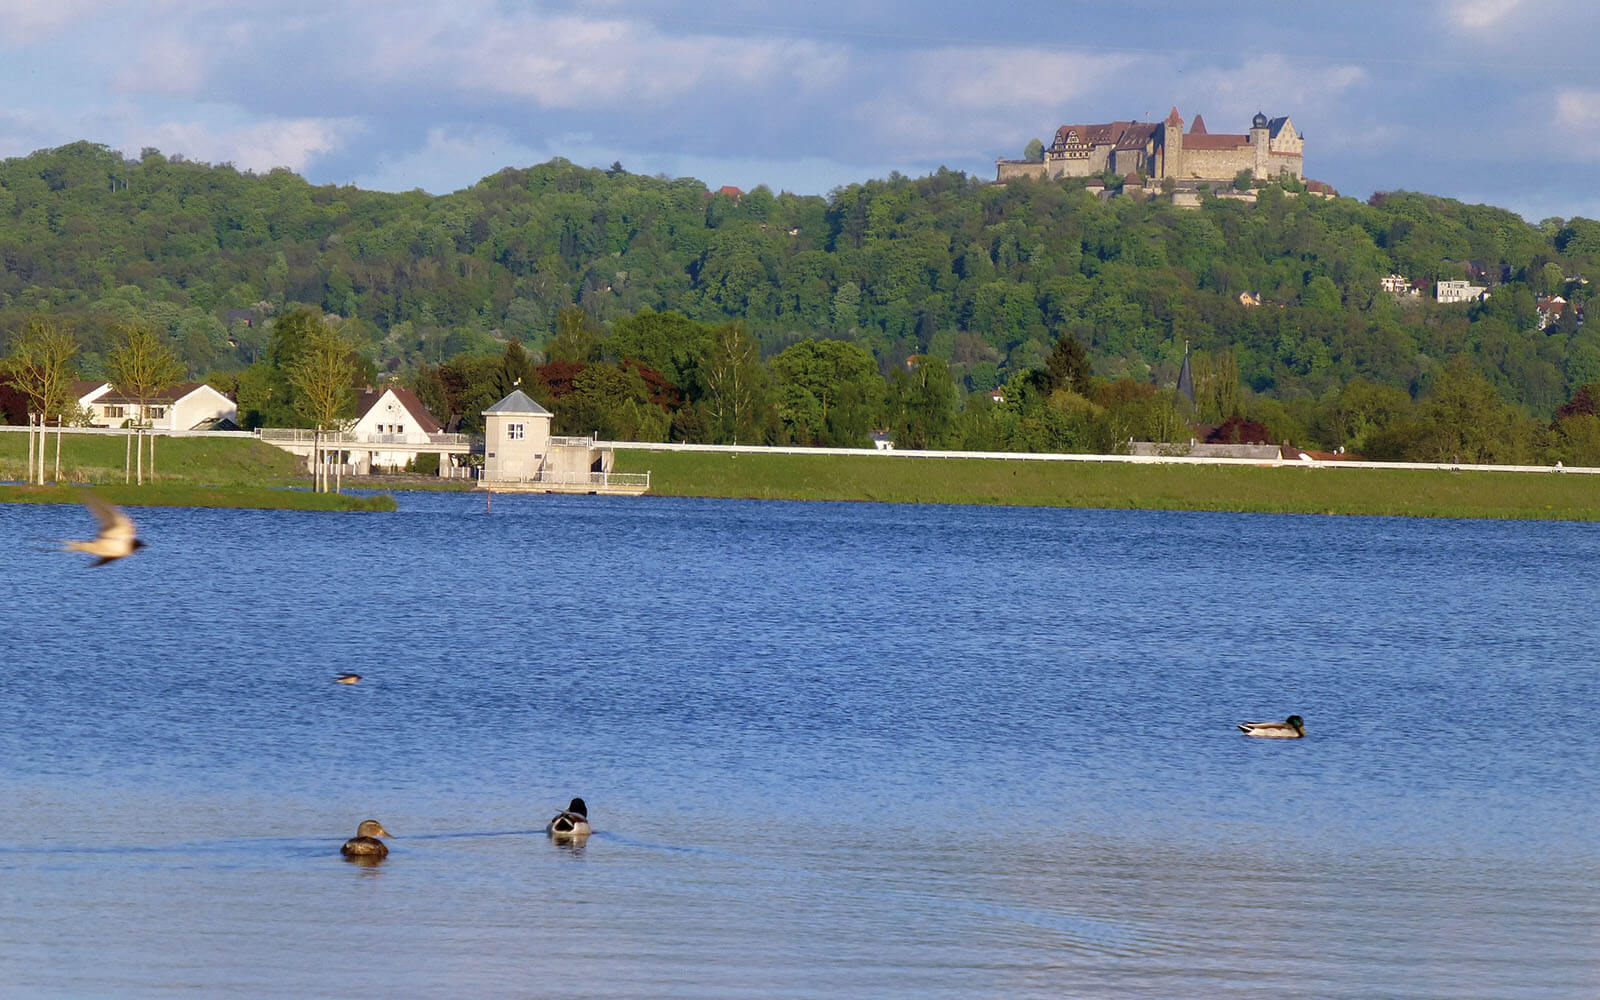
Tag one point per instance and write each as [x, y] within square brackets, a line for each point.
[1493, 101]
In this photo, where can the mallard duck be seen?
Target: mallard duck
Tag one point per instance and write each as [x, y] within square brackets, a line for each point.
[117, 536]
[365, 844]
[571, 823]
[347, 679]
[1291, 728]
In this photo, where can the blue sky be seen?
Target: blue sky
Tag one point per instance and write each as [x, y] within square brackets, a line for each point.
[1493, 101]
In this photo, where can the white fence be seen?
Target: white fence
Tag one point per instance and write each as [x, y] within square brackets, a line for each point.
[336, 439]
[125, 431]
[597, 480]
[1036, 456]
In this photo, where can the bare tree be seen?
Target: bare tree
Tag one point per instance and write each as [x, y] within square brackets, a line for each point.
[141, 364]
[40, 366]
[322, 375]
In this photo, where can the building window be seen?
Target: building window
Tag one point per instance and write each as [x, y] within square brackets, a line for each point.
[514, 432]
[114, 411]
[157, 412]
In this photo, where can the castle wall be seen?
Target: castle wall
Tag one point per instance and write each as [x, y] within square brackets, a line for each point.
[1216, 164]
[1008, 170]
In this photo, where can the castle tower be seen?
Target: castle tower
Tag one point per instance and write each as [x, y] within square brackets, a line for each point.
[1172, 146]
[1261, 138]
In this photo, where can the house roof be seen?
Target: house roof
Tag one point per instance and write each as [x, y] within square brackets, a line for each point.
[84, 386]
[1220, 140]
[366, 399]
[1198, 127]
[519, 404]
[730, 191]
[164, 397]
[1173, 118]
[1276, 125]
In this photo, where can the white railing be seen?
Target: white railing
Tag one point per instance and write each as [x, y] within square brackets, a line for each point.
[333, 439]
[597, 480]
[571, 442]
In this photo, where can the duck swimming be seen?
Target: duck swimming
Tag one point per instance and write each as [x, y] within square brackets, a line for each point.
[1291, 728]
[571, 823]
[365, 844]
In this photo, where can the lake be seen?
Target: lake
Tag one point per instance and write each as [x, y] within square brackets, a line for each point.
[828, 749]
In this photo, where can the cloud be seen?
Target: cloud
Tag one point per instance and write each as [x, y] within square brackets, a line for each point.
[573, 62]
[168, 65]
[1577, 112]
[954, 102]
[1479, 15]
[259, 146]
[28, 21]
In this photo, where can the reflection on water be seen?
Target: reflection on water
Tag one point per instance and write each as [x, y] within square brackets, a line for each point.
[878, 750]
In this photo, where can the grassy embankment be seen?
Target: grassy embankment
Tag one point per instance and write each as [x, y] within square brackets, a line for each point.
[190, 472]
[1285, 490]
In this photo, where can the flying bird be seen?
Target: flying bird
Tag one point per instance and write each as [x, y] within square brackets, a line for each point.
[117, 537]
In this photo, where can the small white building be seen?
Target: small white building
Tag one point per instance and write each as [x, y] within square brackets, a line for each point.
[516, 438]
[184, 407]
[521, 455]
[1397, 284]
[391, 415]
[1449, 292]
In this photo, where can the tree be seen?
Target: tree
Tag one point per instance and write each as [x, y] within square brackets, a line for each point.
[924, 405]
[577, 337]
[1034, 153]
[734, 381]
[141, 364]
[40, 366]
[321, 375]
[829, 392]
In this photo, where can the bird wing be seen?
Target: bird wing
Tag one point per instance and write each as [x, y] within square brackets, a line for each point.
[114, 524]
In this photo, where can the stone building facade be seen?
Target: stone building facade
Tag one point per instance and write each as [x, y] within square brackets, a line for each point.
[1271, 149]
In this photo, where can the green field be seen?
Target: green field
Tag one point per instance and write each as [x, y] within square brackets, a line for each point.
[99, 458]
[1286, 489]
[190, 472]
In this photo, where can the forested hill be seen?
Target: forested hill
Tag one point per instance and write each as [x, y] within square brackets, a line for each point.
[984, 276]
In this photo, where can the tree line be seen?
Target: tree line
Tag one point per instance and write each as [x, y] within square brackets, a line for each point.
[943, 289]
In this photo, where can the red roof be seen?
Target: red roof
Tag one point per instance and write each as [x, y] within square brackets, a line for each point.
[366, 399]
[1199, 126]
[1174, 118]
[730, 191]
[1218, 141]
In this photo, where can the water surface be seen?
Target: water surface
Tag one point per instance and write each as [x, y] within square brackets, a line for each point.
[828, 748]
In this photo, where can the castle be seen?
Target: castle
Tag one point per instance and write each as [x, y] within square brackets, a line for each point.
[1158, 151]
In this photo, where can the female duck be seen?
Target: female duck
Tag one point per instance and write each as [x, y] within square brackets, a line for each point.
[1291, 728]
[571, 823]
[365, 844]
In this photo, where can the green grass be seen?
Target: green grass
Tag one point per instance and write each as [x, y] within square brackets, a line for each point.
[98, 458]
[190, 472]
[1286, 489]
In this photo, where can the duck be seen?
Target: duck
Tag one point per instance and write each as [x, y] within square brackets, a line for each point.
[1291, 728]
[365, 844]
[117, 539]
[571, 823]
[347, 679]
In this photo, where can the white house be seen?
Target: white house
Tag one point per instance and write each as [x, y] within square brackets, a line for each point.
[392, 415]
[1449, 292]
[184, 407]
[1397, 284]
